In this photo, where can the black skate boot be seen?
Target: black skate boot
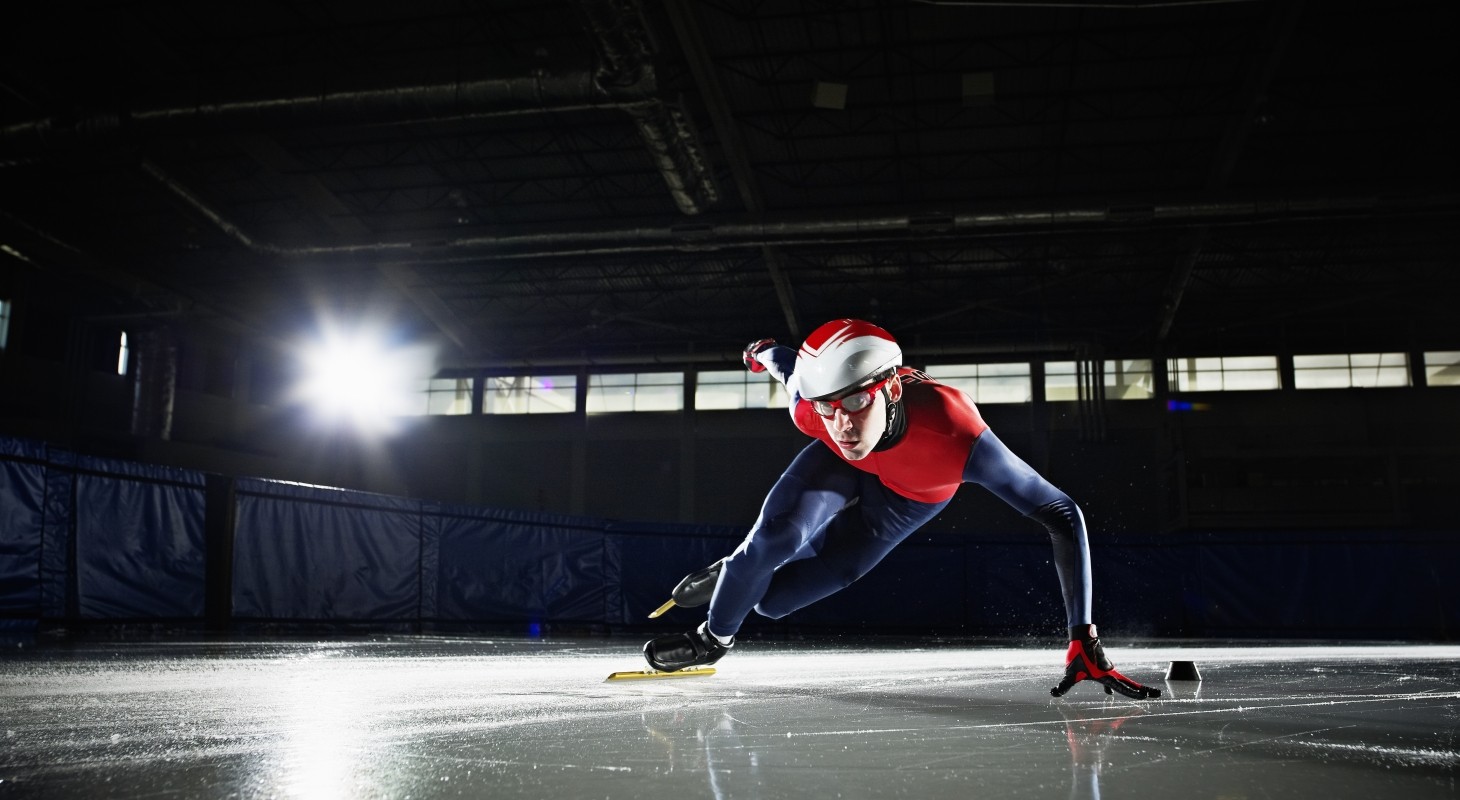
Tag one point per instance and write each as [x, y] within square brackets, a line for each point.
[695, 590]
[697, 648]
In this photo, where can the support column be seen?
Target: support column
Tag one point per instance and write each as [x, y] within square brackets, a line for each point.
[219, 519]
[155, 389]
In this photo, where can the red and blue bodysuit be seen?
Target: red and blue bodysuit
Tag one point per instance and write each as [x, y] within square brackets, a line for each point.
[828, 521]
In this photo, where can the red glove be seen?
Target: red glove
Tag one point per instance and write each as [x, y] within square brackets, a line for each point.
[750, 352]
[1086, 660]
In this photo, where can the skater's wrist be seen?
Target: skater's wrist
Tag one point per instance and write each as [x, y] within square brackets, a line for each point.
[1082, 633]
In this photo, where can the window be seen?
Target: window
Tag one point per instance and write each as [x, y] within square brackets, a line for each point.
[1225, 374]
[1441, 368]
[4, 323]
[122, 353]
[988, 383]
[445, 397]
[737, 388]
[1345, 370]
[531, 394]
[1128, 379]
[641, 391]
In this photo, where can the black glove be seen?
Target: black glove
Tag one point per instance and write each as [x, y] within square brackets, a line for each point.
[1086, 660]
[750, 352]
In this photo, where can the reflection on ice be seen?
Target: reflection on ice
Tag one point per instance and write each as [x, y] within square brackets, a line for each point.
[324, 737]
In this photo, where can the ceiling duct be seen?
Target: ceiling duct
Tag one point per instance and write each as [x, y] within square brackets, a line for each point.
[625, 52]
[624, 80]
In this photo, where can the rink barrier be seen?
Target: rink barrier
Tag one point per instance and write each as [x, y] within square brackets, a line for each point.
[86, 539]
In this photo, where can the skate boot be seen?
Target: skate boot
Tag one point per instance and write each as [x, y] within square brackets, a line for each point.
[697, 648]
[695, 590]
[1086, 660]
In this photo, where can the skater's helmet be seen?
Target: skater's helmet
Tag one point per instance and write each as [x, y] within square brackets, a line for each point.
[845, 355]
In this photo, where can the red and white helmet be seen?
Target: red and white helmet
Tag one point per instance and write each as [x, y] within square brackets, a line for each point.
[843, 355]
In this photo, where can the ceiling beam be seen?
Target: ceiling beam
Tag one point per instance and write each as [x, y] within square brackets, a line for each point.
[732, 145]
[1234, 139]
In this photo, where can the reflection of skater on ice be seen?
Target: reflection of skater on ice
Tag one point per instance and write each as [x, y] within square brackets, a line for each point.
[893, 446]
[1089, 733]
[706, 738]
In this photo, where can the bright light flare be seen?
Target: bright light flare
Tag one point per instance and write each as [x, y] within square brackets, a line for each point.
[362, 380]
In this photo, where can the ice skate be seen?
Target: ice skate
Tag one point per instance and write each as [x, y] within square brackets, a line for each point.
[698, 648]
[695, 590]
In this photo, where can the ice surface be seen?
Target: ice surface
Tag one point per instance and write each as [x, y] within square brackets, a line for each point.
[433, 717]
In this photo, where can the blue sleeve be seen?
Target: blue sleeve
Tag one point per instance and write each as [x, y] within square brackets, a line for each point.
[994, 466]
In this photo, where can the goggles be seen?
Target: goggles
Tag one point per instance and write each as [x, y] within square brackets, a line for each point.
[854, 403]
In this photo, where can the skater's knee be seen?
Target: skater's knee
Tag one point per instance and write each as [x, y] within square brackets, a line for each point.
[793, 595]
[774, 541]
[771, 610]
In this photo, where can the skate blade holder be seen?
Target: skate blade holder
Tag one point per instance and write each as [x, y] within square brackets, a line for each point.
[654, 674]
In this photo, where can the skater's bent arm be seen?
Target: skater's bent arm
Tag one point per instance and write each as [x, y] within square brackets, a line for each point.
[780, 362]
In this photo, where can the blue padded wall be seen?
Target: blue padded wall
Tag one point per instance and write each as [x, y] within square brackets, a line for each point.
[22, 526]
[313, 553]
[97, 539]
[519, 566]
[139, 540]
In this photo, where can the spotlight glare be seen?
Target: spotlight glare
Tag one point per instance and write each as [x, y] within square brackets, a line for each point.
[360, 380]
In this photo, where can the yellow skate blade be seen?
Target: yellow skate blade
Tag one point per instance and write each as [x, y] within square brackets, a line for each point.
[662, 609]
[638, 674]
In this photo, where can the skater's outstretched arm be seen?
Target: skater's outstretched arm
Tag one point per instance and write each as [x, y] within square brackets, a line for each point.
[993, 466]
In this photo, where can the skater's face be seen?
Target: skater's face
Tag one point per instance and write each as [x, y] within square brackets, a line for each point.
[855, 434]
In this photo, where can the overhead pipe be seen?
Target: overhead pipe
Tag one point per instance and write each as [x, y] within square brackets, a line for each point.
[847, 228]
[731, 234]
[537, 93]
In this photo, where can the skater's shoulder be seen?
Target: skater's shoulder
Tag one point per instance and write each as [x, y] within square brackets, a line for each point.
[939, 405]
[919, 387]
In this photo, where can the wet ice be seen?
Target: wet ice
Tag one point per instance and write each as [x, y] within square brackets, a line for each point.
[464, 717]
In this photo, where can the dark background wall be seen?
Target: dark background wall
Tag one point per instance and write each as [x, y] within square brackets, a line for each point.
[1279, 513]
[1285, 459]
